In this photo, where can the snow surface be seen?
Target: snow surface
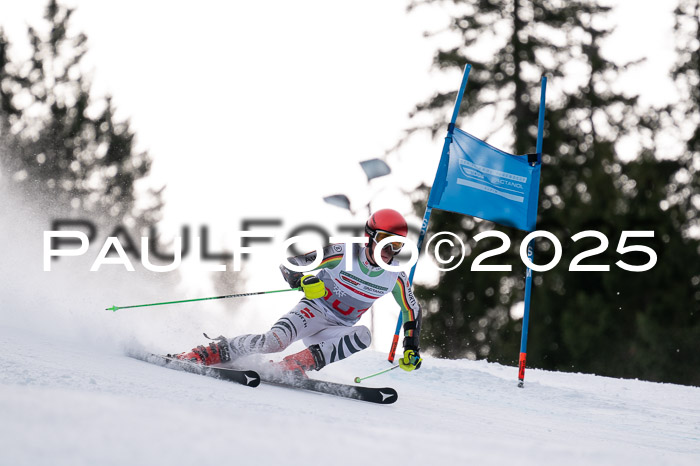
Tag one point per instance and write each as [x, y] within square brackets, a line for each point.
[67, 402]
[69, 395]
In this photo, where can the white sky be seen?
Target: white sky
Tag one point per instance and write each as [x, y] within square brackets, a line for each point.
[262, 108]
[259, 109]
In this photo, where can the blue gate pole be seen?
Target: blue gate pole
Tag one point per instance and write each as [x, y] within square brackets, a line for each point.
[530, 251]
[429, 208]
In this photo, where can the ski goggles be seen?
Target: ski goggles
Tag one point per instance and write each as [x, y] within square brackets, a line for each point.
[379, 235]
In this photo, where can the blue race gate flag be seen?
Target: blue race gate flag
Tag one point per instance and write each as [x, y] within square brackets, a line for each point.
[476, 179]
[485, 182]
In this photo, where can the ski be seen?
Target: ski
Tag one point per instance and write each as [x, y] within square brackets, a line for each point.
[247, 378]
[251, 378]
[384, 395]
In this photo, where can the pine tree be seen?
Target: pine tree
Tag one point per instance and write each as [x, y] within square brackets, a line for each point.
[686, 114]
[590, 321]
[61, 145]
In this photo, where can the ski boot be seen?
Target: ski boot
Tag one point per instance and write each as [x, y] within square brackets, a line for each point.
[216, 352]
[310, 359]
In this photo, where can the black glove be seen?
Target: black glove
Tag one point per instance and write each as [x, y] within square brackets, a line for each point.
[293, 278]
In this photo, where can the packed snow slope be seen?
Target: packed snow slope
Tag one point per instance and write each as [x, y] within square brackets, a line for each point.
[73, 402]
[69, 395]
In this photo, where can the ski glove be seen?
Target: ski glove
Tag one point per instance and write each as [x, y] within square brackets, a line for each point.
[313, 287]
[411, 359]
[293, 278]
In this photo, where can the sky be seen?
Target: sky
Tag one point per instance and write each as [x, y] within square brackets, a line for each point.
[260, 109]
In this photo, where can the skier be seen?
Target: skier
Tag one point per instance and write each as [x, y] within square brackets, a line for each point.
[333, 302]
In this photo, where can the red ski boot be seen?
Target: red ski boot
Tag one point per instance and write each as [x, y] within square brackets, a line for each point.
[216, 352]
[310, 359]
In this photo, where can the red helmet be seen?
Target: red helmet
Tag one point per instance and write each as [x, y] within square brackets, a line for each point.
[387, 220]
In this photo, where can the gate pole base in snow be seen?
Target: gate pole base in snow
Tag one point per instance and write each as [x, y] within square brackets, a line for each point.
[521, 370]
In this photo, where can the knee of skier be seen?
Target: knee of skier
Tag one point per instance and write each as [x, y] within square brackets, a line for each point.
[275, 342]
[364, 335]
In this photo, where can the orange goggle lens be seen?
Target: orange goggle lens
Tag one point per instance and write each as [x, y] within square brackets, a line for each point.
[394, 245]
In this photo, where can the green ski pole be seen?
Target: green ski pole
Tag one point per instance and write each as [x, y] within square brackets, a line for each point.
[240, 295]
[360, 379]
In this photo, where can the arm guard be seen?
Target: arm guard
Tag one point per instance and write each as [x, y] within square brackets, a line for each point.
[332, 254]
